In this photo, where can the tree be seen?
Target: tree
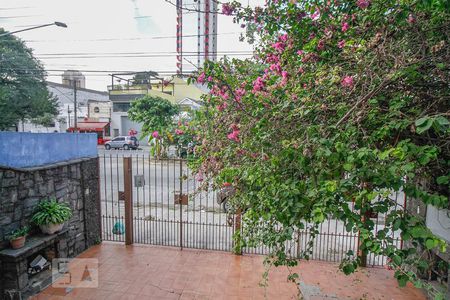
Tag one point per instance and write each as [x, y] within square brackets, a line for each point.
[156, 115]
[343, 103]
[23, 91]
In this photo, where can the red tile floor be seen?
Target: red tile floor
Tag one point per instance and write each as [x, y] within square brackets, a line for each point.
[151, 272]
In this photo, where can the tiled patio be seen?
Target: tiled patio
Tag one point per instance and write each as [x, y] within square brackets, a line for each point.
[150, 272]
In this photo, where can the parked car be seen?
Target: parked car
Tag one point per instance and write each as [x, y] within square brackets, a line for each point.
[123, 142]
[223, 195]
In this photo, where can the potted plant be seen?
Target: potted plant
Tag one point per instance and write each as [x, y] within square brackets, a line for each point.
[17, 237]
[51, 215]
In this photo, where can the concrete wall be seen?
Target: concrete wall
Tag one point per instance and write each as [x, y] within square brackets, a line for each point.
[24, 149]
[438, 220]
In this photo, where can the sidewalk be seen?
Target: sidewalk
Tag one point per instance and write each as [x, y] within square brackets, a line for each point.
[150, 272]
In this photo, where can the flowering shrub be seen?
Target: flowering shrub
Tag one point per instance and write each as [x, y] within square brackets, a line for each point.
[344, 101]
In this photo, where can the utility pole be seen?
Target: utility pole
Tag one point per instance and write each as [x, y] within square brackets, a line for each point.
[68, 114]
[75, 105]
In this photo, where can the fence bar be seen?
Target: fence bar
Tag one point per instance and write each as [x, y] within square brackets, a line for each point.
[128, 190]
[181, 205]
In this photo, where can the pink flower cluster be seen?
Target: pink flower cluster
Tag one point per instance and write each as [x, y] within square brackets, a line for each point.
[363, 4]
[279, 46]
[341, 44]
[179, 131]
[315, 15]
[275, 67]
[227, 9]
[258, 85]
[234, 135]
[222, 106]
[347, 81]
[345, 26]
[155, 134]
[238, 94]
[201, 78]
[284, 76]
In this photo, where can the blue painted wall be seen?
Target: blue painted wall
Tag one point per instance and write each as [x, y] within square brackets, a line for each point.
[25, 149]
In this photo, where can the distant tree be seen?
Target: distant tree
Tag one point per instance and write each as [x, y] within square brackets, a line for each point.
[156, 115]
[143, 77]
[23, 91]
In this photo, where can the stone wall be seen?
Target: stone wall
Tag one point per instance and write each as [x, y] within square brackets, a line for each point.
[74, 182]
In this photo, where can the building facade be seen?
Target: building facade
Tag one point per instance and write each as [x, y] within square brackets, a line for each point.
[123, 91]
[87, 100]
[203, 25]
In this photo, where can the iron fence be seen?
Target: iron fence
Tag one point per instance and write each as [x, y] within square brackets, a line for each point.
[171, 208]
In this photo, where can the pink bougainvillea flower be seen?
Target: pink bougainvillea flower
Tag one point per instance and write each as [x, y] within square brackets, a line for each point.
[272, 58]
[300, 70]
[201, 78]
[363, 4]
[210, 79]
[320, 45]
[275, 68]
[258, 84]
[179, 131]
[279, 46]
[226, 184]
[227, 9]
[155, 134]
[341, 44]
[234, 135]
[238, 94]
[222, 106]
[347, 81]
[284, 38]
[300, 52]
[345, 26]
[315, 15]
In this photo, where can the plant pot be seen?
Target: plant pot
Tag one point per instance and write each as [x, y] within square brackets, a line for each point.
[51, 228]
[18, 243]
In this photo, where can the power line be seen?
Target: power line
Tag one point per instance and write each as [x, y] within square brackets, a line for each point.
[147, 52]
[125, 56]
[126, 39]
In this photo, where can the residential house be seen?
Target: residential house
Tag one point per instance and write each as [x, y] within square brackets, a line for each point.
[127, 87]
[91, 104]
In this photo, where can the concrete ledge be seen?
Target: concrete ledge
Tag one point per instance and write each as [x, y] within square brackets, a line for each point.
[26, 150]
[48, 166]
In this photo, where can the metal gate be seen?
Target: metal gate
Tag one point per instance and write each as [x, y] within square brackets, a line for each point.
[169, 206]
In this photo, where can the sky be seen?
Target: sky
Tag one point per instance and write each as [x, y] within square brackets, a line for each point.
[110, 35]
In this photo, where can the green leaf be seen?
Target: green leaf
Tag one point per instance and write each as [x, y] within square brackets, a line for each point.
[396, 224]
[402, 280]
[397, 260]
[423, 124]
[348, 269]
[442, 180]
[430, 243]
[442, 121]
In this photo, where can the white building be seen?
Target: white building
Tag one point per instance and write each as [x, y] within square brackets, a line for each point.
[88, 102]
[203, 26]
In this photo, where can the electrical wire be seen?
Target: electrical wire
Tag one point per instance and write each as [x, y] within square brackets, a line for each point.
[125, 39]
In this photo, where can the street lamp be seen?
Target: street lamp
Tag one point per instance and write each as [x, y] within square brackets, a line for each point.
[59, 24]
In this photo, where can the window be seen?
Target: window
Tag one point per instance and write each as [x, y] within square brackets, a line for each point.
[118, 139]
[96, 109]
[121, 107]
